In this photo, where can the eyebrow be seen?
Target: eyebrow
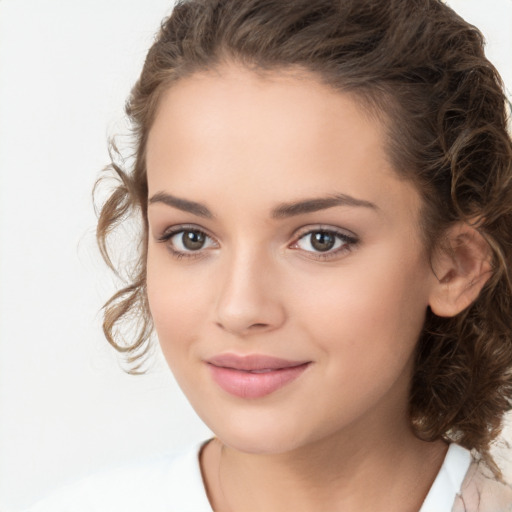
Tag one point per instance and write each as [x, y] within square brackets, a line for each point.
[182, 204]
[285, 210]
[281, 211]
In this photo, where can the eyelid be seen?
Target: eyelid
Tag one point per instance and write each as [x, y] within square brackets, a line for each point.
[171, 231]
[349, 238]
[313, 228]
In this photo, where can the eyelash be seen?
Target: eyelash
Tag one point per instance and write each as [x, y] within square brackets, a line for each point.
[348, 242]
[178, 254]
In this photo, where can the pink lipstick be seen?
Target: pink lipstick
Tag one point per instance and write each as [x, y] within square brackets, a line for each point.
[253, 376]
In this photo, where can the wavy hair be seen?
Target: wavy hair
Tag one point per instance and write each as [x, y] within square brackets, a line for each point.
[421, 69]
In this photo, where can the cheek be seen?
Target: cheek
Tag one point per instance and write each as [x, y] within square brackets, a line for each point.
[176, 301]
[370, 313]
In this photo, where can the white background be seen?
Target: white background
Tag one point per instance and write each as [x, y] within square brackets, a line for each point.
[66, 407]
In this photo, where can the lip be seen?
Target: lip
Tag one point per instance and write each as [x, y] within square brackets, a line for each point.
[254, 376]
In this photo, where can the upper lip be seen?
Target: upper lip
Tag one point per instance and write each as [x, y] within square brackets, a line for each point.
[252, 362]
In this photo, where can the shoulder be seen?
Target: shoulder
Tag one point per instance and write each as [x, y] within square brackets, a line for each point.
[158, 484]
[482, 492]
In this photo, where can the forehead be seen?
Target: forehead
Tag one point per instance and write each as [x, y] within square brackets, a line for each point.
[245, 104]
[274, 134]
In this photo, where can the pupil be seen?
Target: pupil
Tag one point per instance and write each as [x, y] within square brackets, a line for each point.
[323, 241]
[193, 240]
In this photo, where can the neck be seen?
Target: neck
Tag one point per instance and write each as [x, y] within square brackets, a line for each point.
[351, 472]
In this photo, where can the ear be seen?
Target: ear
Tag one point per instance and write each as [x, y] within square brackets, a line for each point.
[462, 266]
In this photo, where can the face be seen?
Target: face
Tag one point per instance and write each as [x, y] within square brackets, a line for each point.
[286, 275]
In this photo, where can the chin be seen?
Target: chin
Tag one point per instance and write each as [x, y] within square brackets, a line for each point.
[264, 443]
[265, 435]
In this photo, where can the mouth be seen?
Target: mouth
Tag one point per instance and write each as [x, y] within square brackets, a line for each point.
[254, 376]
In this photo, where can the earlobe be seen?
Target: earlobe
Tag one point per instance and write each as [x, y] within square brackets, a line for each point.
[461, 265]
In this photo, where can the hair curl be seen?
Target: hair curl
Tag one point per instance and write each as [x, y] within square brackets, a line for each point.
[422, 69]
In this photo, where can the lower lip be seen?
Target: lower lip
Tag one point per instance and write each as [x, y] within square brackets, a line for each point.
[245, 384]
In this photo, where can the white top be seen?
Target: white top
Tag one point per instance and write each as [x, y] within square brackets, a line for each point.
[448, 481]
[167, 484]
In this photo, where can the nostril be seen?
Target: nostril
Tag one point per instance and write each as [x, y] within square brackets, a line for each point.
[257, 326]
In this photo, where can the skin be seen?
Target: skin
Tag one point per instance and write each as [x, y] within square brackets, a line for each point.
[338, 437]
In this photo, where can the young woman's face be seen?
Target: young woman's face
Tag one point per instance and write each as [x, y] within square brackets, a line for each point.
[286, 274]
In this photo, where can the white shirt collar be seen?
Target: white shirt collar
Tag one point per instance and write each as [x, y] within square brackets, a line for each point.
[448, 482]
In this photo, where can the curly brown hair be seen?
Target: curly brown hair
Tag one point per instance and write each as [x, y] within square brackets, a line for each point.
[422, 70]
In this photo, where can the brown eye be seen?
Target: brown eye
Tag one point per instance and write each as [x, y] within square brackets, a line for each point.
[325, 242]
[322, 240]
[187, 241]
[193, 240]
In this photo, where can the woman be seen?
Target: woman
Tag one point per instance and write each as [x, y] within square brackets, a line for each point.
[325, 195]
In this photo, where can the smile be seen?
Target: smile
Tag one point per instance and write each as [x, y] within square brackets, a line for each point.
[253, 376]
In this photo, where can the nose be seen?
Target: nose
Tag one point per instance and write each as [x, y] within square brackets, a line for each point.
[248, 300]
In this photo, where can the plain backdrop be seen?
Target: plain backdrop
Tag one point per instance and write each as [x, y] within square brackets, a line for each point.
[66, 406]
